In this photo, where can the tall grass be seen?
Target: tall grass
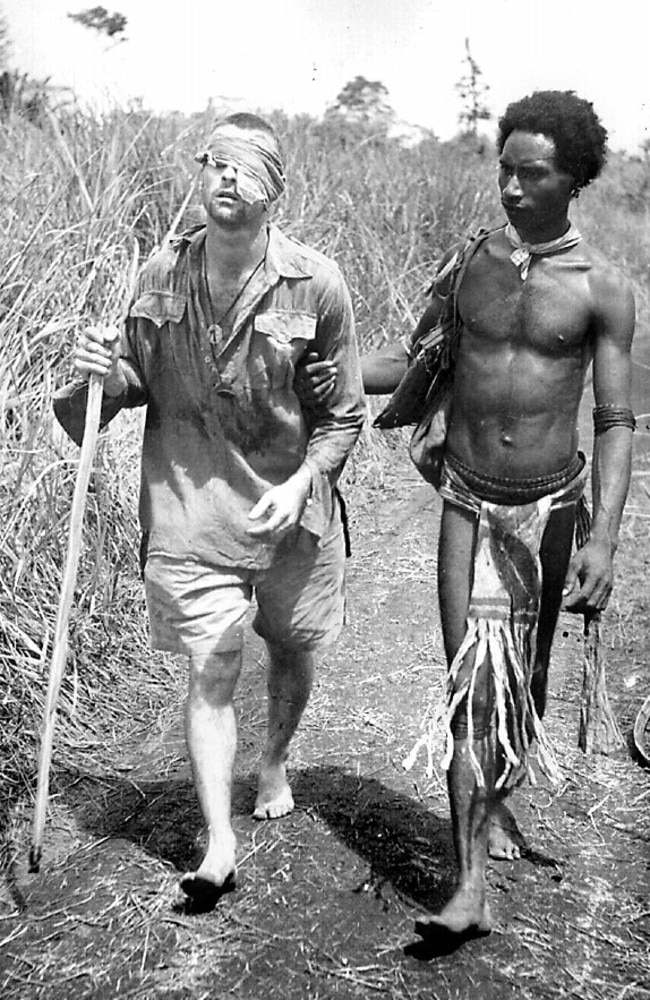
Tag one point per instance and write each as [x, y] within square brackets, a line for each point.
[74, 194]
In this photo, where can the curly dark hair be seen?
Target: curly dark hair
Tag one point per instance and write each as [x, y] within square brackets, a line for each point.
[571, 122]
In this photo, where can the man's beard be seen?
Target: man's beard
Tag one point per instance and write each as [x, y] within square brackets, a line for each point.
[233, 215]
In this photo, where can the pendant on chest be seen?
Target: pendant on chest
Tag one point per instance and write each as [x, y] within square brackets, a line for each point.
[215, 335]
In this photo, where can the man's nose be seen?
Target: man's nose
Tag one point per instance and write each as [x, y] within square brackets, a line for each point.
[513, 187]
[229, 173]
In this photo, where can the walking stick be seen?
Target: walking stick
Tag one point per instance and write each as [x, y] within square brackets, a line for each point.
[60, 642]
[60, 647]
[641, 735]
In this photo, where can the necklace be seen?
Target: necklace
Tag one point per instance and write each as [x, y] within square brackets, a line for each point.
[215, 330]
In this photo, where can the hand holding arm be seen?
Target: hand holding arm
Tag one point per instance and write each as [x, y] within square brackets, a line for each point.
[315, 380]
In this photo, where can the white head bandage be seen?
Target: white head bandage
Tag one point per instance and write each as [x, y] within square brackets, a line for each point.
[260, 171]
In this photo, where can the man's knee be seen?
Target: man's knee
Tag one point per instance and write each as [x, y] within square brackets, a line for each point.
[213, 676]
[474, 713]
[289, 658]
[460, 724]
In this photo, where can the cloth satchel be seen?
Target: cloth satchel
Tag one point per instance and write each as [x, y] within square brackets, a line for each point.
[424, 395]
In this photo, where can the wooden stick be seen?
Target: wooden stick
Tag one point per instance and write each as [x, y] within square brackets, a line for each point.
[640, 732]
[599, 732]
[182, 210]
[60, 646]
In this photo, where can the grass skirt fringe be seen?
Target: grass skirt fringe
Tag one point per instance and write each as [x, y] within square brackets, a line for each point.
[498, 650]
[503, 650]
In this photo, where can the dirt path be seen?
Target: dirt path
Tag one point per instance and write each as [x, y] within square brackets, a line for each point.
[328, 896]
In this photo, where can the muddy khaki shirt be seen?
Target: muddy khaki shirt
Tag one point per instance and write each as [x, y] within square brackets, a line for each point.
[223, 422]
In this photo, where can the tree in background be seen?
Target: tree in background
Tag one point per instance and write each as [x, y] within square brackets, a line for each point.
[99, 19]
[473, 93]
[4, 43]
[363, 103]
[19, 93]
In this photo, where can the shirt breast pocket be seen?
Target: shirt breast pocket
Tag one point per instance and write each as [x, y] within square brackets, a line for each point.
[282, 336]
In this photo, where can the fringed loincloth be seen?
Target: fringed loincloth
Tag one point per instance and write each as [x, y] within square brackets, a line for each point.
[504, 611]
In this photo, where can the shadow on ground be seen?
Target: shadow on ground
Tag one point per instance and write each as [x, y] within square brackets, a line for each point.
[401, 841]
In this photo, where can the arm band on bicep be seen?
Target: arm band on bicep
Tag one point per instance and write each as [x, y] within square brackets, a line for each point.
[608, 415]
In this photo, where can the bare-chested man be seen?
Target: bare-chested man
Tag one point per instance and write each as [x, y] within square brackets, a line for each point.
[537, 305]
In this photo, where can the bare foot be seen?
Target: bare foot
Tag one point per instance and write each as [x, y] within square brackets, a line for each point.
[216, 873]
[202, 893]
[506, 840]
[274, 798]
[466, 915]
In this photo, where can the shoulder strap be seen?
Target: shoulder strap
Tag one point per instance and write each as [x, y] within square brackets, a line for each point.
[443, 335]
[471, 246]
[452, 332]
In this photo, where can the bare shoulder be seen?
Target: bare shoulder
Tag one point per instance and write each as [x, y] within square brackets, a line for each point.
[453, 257]
[612, 294]
[606, 277]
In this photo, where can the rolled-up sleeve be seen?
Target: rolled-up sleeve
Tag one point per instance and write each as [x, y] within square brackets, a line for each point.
[335, 424]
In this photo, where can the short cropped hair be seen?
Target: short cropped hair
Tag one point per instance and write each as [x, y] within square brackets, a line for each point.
[571, 122]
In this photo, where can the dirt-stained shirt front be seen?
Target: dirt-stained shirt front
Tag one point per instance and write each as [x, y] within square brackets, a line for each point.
[223, 421]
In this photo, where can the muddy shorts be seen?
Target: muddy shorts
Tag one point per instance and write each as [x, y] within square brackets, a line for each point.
[197, 608]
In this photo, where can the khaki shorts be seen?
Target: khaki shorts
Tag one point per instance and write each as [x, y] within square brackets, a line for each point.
[196, 608]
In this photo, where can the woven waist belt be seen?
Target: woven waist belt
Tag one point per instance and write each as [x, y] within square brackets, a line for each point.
[510, 492]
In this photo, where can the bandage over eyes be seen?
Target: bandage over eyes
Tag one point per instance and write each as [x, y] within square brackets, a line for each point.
[260, 172]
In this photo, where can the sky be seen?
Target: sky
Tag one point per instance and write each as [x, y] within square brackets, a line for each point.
[296, 55]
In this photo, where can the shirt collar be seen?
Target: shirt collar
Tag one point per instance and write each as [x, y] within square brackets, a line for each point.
[284, 258]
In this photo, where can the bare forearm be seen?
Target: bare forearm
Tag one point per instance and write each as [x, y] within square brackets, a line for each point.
[70, 402]
[612, 462]
[382, 370]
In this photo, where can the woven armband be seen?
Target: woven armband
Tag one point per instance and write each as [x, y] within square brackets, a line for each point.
[608, 415]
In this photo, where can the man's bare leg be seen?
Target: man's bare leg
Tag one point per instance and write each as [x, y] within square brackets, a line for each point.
[467, 912]
[290, 677]
[506, 841]
[211, 739]
[473, 809]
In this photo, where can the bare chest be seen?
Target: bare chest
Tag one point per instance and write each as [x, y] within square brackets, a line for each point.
[548, 313]
[222, 294]
[226, 293]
